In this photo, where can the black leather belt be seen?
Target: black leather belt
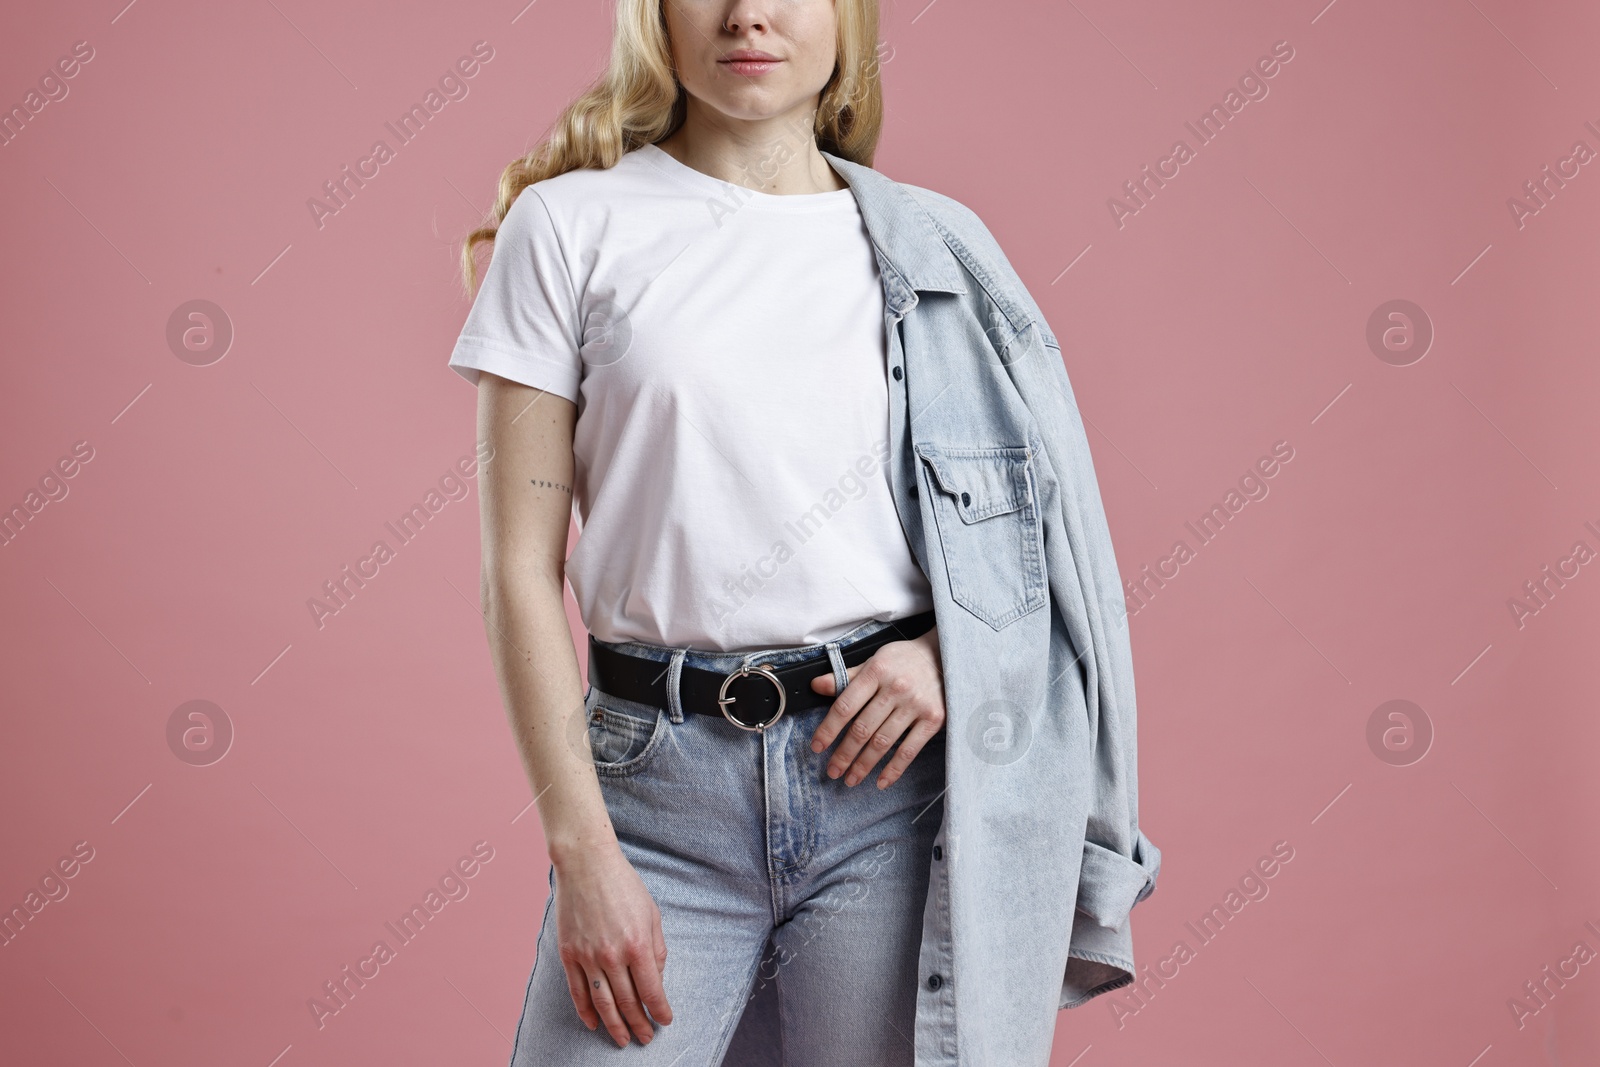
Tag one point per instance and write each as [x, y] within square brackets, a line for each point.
[751, 698]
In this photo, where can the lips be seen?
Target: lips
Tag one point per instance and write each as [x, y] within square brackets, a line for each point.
[749, 63]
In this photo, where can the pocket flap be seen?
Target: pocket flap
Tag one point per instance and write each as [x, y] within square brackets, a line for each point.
[983, 481]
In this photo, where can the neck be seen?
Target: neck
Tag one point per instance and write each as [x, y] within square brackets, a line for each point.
[777, 155]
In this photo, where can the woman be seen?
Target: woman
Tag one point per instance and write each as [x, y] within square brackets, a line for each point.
[682, 331]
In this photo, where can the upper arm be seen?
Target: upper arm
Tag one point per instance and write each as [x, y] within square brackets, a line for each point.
[526, 486]
[521, 345]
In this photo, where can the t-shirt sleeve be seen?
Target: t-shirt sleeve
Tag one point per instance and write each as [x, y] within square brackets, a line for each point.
[524, 320]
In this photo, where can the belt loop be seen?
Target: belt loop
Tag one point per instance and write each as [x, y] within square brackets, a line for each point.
[674, 674]
[840, 677]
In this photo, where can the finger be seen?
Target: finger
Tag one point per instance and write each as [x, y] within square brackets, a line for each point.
[578, 987]
[606, 1004]
[910, 748]
[877, 746]
[861, 729]
[646, 971]
[660, 943]
[626, 994]
[863, 684]
[823, 683]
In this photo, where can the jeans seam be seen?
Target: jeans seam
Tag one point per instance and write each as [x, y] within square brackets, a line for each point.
[777, 997]
[516, 1042]
[721, 1049]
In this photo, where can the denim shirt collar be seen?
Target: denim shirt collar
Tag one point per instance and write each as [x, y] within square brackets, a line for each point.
[909, 243]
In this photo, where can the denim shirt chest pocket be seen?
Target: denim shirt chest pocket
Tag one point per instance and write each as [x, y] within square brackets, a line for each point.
[984, 503]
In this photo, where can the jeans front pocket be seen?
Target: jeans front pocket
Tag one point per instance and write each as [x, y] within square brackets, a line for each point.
[987, 512]
[624, 735]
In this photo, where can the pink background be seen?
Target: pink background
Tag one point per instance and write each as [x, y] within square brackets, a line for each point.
[1228, 314]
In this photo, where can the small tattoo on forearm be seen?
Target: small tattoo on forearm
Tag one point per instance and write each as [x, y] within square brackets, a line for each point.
[550, 485]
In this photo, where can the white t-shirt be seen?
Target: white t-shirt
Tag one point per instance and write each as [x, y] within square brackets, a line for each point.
[726, 351]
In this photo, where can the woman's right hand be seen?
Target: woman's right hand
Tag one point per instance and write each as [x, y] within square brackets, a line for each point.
[608, 933]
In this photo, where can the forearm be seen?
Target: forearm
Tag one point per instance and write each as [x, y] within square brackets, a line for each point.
[534, 659]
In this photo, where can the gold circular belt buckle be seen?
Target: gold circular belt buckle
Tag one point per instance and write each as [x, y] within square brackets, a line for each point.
[723, 699]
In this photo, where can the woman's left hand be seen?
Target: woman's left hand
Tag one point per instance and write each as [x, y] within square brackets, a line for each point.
[900, 689]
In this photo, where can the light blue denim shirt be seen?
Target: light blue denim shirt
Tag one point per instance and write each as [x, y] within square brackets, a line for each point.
[1040, 858]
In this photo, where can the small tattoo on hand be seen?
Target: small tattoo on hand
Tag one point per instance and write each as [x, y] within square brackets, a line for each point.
[549, 485]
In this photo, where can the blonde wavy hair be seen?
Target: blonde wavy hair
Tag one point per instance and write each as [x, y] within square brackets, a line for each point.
[638, 101]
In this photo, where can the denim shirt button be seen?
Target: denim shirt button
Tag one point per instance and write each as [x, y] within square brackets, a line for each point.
[938, 852]
[935, 981]
[896, 373]
[966, 500]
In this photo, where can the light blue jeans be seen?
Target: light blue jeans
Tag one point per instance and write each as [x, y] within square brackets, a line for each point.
[791, 904]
